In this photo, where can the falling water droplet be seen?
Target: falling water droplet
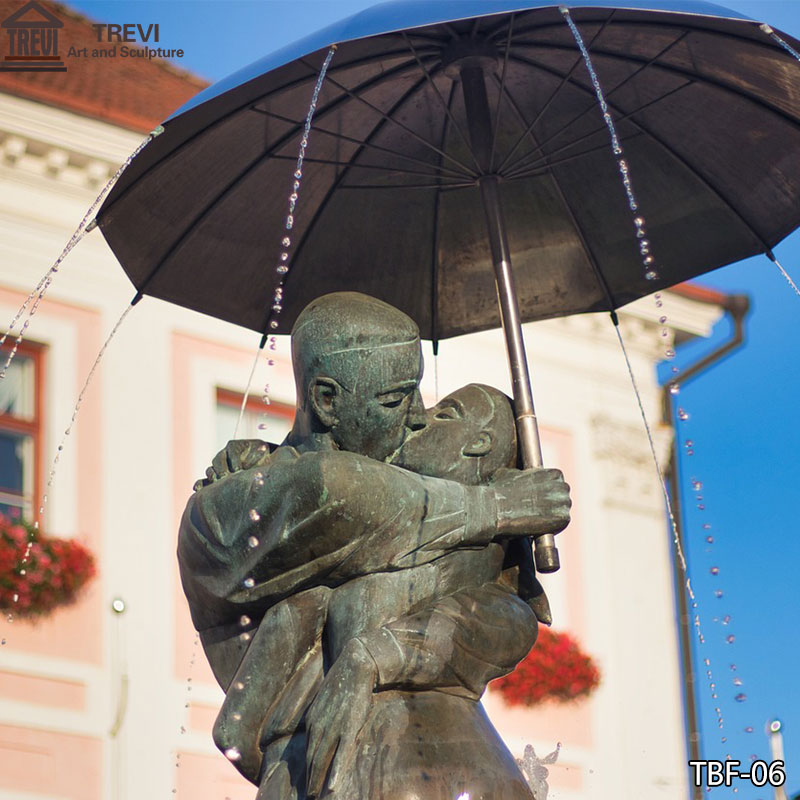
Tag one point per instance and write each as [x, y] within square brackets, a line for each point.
[724, 739]
[245, 637]
[718, 594]
[714, 570]
[737, 681]
[232, 754]
[651, 275]
[238, 686]
[726, 619]
[710, 539]
[281, 269]
[244, 620]
[2, 641]
[683, 415]
[669, 353]
[252, 541]
[730, 639]
[748, 729]
[254, 515]
[662, 319]
[740, 698]
[675, 388]
[249, 583]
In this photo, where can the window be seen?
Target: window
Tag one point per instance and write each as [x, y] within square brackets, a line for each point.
[268, 422]
[20, 432]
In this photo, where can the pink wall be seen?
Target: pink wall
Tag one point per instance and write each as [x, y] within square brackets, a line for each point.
[50, 763]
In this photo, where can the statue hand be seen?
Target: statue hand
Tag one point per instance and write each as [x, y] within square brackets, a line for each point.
[238, 454]
[531, 502]
[337, 715]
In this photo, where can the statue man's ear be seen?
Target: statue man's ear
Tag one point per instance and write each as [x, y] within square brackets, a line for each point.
[481, 446]
[323, 393]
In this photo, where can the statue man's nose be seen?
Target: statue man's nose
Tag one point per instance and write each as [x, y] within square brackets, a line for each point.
[416, 413]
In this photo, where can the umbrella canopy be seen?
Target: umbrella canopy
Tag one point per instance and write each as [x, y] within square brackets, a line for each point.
[707, 108]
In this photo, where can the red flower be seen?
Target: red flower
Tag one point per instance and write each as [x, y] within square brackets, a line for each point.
[52, 574]
[555, 669]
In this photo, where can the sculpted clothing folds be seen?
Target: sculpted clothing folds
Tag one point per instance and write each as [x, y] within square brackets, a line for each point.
[314, 528]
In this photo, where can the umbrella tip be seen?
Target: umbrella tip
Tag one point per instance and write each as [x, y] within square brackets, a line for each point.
[614, 318]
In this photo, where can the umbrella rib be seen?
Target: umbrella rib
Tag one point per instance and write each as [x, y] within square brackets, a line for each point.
[545, 164]
[516, 169]
[352, 165]
[396, 186]
[446, 107]
[403, 127]
[685, 73]
[570, 213]
[552, 97]
[243, 174]
[593, 106]
[500, 94]
[353, 140]
[694, 171]
[340, 177]
[332, 106]
[686, 22]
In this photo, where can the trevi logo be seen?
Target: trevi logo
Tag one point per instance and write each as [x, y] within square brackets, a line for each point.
[32, 43]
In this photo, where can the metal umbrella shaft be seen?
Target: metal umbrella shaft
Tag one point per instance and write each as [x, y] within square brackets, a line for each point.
[480, 132]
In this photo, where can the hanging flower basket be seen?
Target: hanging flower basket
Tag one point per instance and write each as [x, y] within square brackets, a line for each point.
[555, 669]
[52, 575]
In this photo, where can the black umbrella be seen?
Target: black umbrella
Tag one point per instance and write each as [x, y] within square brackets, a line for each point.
[428, 128]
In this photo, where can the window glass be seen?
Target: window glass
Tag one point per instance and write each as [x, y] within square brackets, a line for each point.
[20, 433]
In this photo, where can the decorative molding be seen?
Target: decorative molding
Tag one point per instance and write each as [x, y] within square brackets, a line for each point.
[61, 145]
[623, 454]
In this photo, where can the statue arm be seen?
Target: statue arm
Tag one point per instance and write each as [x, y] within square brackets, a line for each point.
[263, 533]
[457, 645]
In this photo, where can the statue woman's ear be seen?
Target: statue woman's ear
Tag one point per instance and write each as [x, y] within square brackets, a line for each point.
[481, 446]
[322, 395]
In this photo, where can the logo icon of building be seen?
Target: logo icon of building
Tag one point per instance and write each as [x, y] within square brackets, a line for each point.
[32, 40]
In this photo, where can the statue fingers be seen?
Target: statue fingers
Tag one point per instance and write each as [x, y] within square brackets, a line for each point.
[319, 761]
[219, 466]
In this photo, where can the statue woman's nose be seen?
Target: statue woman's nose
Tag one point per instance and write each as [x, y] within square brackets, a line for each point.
[416, 419]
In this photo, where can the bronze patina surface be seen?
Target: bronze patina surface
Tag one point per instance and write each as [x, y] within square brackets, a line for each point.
[355, 588]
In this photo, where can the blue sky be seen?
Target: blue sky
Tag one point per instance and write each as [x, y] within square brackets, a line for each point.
[742, 412]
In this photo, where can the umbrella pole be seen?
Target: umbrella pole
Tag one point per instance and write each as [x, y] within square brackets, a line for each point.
[481, 135]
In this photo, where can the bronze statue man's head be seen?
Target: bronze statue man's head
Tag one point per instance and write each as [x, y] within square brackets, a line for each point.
[357, 365]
